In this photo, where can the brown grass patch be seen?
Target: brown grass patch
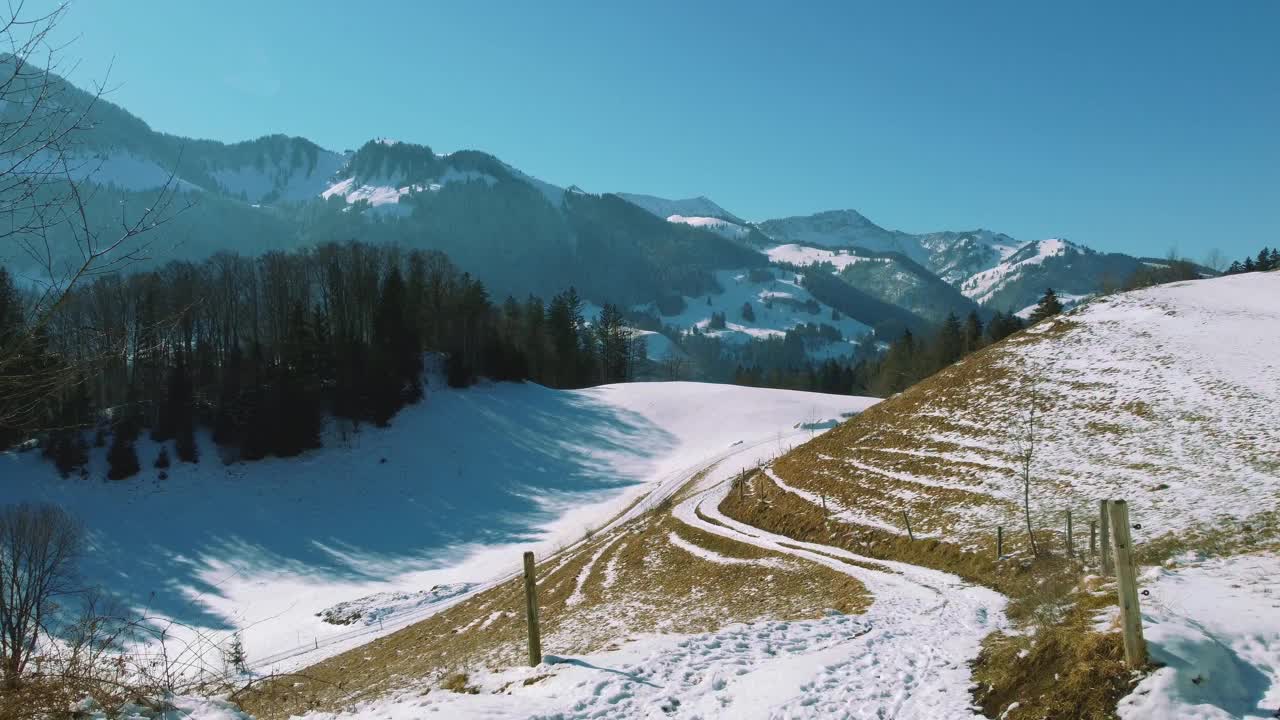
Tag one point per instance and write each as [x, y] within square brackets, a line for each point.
[656, 586]
[1043, 592]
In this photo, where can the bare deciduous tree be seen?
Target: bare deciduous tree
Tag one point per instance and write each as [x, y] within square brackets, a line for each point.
[39, 546]
[44, 202]
[1025, 439]
[674, 365]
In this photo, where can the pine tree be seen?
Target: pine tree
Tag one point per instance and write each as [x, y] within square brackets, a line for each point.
[1047, 307]
[235, 657]
[613, 344]
[122, 457]
[748, 314]
[950, 343]
[972, 332]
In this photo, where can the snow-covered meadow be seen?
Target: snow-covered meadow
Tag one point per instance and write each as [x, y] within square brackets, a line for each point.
[451, 493]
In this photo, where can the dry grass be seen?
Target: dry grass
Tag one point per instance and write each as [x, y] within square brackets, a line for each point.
[618, 584]
[1044, 593]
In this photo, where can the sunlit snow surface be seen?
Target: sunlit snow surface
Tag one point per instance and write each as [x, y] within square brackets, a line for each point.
[452, 492]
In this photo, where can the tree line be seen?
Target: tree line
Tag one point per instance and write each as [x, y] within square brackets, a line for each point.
[1266, 259]
[258, 350]
[909, 358]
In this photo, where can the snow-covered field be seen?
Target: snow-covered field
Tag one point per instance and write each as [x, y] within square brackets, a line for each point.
[1214, 625]
[1169, 397]
[452, 493]
[906, 657]
[802, 255]
[778, 305]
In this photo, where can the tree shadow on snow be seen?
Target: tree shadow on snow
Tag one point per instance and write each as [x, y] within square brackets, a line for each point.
[485, 466]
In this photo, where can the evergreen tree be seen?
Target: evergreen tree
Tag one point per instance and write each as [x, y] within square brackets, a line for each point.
[1003, 325]
[162, 459]
[748, 314]
[972, 333]
[564, 319]
[1047, 307]
[950, 343]
[613, 344]
[122, 457]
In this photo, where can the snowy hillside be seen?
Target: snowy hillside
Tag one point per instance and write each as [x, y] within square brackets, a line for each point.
[778, 303]
[397, 522]
[1168, 397]
[688, 207]
[1139, 389]
[983, 285]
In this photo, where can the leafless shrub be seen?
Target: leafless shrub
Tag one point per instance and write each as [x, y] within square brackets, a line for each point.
[39, 546]
[44, 203]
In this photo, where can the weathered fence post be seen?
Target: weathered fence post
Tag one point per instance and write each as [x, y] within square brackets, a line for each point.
[1135, 648]
[907, 520]
[824, 505]
[1071, 544]
[1093, 537]
[531, 610]
[999, 541]
[1104, 523]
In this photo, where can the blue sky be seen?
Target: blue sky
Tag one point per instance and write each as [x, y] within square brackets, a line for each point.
[1136, 126]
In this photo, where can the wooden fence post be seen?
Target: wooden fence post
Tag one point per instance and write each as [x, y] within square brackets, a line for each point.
[531, 611]
[824, 505]
[1093, 537]
[1135, 648]
[1104, 523]
[1071, 543]
[999, 541]
[907, 520]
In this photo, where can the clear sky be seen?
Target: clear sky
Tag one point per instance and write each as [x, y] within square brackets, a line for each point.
[1132, 126]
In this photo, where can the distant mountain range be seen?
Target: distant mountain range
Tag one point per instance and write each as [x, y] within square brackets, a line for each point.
[523, 235]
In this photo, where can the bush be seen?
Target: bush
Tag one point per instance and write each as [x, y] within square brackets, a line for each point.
[39, 547]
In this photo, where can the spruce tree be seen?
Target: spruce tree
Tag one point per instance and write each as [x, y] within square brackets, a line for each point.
[122, 457]
[972, 332]
[950, 342]
[1047, 307]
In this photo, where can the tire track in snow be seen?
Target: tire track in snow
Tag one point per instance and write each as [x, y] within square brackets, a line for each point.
[583, 575]
[906, 657]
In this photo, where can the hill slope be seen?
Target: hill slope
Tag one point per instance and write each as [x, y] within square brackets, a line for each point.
[1168, 396]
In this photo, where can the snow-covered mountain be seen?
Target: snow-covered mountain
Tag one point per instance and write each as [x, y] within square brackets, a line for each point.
[689, 207]
[523, 235]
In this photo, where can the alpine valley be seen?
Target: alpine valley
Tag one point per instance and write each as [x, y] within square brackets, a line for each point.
[674, 265]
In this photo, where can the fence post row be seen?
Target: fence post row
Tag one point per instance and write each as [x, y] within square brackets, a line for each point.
[1135, 649]
[1071, 544]
[1104, 523]
[531, 610]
